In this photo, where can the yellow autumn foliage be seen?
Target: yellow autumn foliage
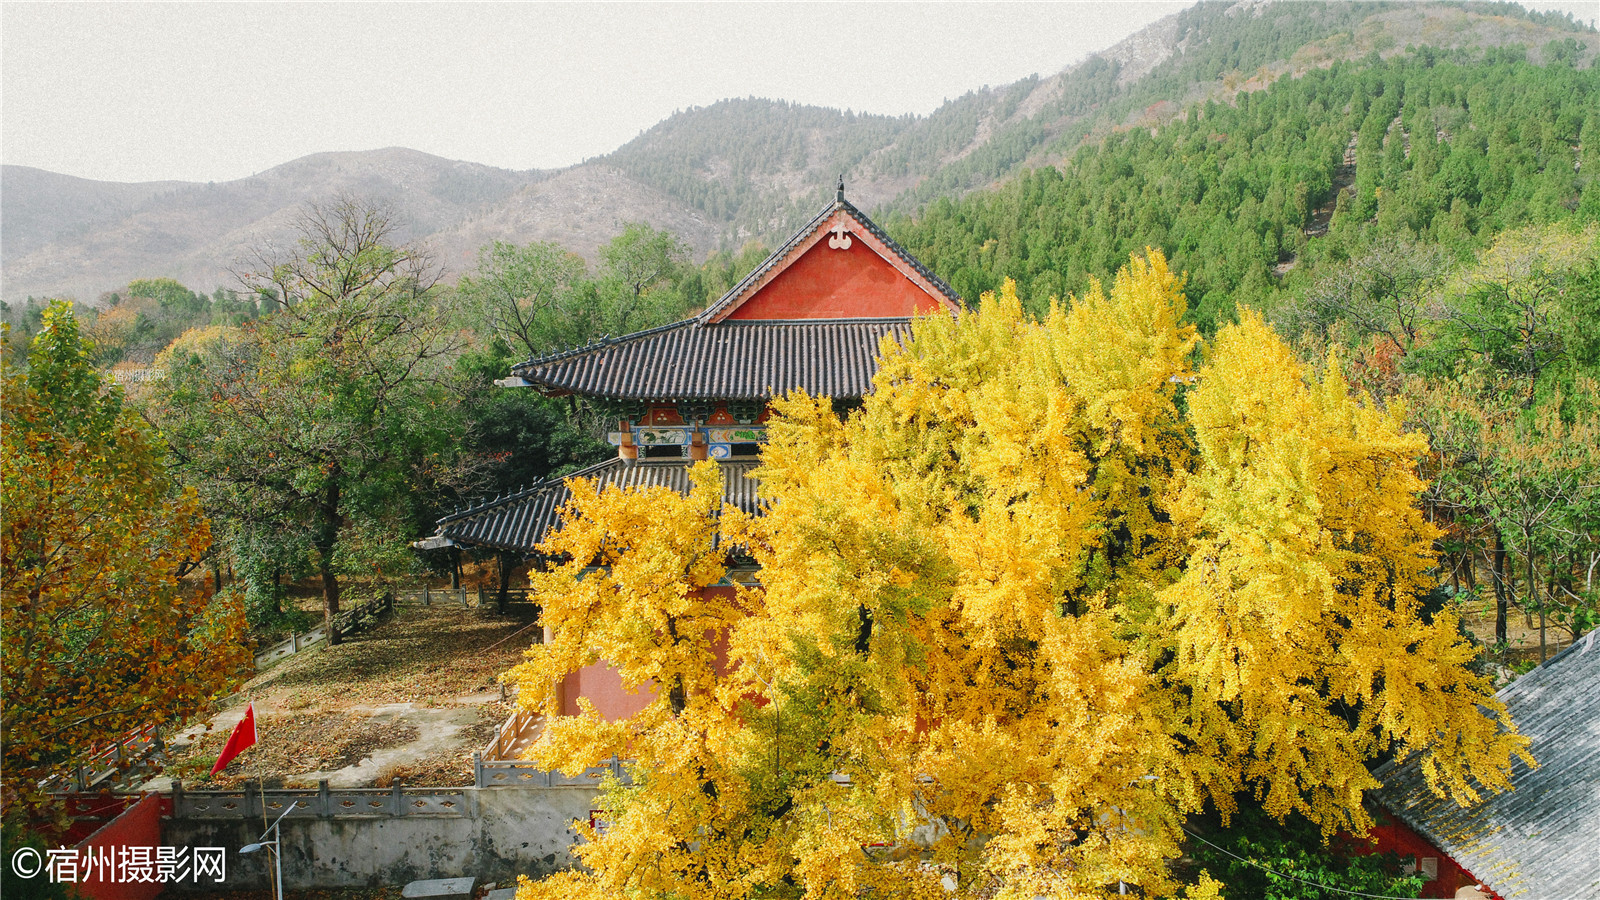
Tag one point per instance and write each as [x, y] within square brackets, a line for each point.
[1046, 593]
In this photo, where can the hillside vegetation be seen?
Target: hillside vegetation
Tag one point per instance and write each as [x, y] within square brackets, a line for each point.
[763, 167]
[1255, 196]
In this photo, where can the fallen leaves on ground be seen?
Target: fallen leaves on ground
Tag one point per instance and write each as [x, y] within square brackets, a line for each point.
[451, 768]
[308, 707]
[420, 654]
[290, 745]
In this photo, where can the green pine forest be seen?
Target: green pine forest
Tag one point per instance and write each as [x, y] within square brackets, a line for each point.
[1256, 197]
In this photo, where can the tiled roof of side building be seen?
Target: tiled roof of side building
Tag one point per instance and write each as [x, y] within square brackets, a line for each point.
[519, 521]
[1541, 840]
[732, 360]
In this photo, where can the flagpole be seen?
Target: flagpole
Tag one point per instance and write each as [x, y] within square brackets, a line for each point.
[275, 877]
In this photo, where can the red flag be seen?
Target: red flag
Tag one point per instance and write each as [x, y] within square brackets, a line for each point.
[244, 735]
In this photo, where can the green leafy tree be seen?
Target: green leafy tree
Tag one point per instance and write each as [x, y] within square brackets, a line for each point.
[100, 635]
[1509, 312]
[333, 418]
[540, 298]
[640, 272]
[537, 298]
[515, 438]
[1255, 856]
[1504, 382]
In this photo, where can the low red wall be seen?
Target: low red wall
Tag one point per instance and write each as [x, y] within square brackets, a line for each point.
[89, 813]
[602, 685]
[137, 826]
[1394, 836]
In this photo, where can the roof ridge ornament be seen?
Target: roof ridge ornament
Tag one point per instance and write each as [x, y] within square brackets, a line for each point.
[839, 239]
[840, 195]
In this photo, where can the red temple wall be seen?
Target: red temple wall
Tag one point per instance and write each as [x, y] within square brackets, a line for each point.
[838, 284]
[602, 684]
[603, 687]
[137, 826]
[1393, 835]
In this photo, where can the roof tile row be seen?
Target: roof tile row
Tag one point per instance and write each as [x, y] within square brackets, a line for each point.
[731, 360]
[518, 522]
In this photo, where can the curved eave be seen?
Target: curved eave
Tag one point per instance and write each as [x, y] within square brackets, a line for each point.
[744, 360]
[518, 522]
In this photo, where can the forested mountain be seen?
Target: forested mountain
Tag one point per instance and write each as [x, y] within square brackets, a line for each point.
[764, 166]
[740, 169]
[1438, 147]
[73, 236]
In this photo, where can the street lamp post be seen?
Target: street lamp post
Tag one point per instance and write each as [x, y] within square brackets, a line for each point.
[277, 851]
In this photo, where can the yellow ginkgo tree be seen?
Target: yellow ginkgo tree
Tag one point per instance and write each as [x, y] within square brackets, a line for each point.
[1050, 590]
[100, 635]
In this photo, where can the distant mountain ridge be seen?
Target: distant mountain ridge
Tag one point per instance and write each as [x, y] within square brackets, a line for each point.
[732, 171]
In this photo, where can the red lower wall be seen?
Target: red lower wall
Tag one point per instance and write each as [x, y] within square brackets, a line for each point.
[1394, 836]
[137, 826]
[602, 685]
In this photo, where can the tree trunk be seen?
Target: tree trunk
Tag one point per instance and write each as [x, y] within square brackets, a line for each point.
[1501, 601]
[1533, 597]
[506, 565]
[864, 630]
[327, 536]
[330, 597]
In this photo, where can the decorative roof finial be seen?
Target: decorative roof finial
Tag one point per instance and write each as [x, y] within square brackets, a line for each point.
[840, 195]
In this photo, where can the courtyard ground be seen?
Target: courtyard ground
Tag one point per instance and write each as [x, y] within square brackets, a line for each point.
[412, 698]
[1522, 634]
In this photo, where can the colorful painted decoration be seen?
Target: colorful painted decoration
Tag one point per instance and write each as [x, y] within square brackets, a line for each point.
[653, 436]
[719, 451]
[737, 435]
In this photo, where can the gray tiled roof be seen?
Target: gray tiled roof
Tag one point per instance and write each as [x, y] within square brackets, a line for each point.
[1540, 841]
[519, 521]
[702, 359]
[732, 360]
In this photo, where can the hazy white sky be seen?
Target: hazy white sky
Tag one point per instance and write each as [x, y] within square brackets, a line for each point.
[217, 91]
